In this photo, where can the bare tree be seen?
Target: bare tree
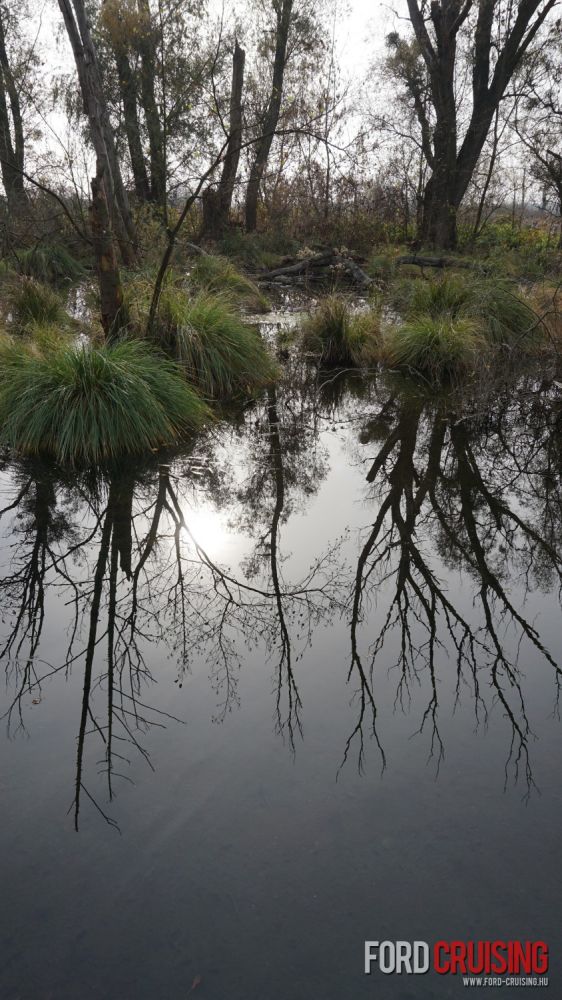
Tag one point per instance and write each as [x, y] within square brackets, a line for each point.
[499, 35]
[283, 18]
[217, 200]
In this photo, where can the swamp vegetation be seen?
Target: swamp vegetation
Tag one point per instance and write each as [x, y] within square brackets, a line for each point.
[280, 492]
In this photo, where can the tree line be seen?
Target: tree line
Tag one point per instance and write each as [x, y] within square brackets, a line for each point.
[250, 118]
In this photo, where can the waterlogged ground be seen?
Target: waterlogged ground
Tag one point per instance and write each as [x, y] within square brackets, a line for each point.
[295, 688]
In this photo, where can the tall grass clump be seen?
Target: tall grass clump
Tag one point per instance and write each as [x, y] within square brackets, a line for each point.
[502, 315]
[505, 318]
[34, 303]
[221, 355]
[442, 296]
[451, 322]
[211, 273]
[87, 405]
[51, 264]
[340, 337]
[437, 347]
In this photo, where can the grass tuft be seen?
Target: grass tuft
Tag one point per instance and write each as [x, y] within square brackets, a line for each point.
[51, 264]
[340, 337]
[86, 405]
[35, 303]
[221, 354]
[451, 322]
[218, 275]
[438, 347]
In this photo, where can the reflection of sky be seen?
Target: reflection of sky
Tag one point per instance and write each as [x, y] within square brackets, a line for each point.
[236, 840]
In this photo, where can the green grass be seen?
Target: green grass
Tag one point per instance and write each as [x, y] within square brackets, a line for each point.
[87, 405]
[50, 263]
[35, 303]
[222, 356]
[218, 275]
[438, 347]
[341, 337]
[449, 321]
[449, 295]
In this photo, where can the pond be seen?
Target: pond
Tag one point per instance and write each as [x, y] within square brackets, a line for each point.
[292, 689]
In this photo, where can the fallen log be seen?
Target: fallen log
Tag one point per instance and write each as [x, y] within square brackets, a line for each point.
[314, 266]
[299, 267]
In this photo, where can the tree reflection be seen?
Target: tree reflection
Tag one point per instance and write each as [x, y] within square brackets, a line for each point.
[486, 492]
[125, 560]
[114, 563]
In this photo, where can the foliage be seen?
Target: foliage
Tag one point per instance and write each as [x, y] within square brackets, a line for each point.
[341, 337]
[85, 405]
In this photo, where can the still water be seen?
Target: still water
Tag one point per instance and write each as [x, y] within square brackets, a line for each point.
[292, 689]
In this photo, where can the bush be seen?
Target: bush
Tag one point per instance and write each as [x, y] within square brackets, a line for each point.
[85, 405]
[341, 337]
[218, 275]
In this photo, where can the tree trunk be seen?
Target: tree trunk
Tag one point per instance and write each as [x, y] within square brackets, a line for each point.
[436, 29]
[156, 142]
[101, 134]
[111, 291]
[217, 201]
[263, 146]
[128, 90]
[11, 151]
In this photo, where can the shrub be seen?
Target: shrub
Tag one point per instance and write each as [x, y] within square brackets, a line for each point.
[87, 405]
[437, 347]
[341, 337]
[218, 275]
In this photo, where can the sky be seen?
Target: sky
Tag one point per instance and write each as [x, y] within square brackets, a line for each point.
[360, 34]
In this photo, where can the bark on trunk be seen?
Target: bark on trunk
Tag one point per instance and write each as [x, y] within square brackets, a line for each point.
[11, 151]
[95, 106]
[436, 36]
[128, 90]
[271, 119]
[111, 291]
[217, 202]
[156, 139]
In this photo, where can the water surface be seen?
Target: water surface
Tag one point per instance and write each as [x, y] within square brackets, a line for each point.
[294, 688]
